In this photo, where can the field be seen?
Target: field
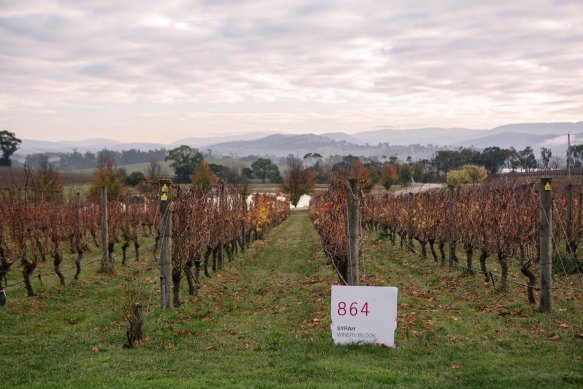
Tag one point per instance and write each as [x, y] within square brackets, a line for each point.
[264, 321]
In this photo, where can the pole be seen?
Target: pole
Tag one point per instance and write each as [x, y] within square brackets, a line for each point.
[106, 261]
[352, 232]
[579, 213]
[165, 244]
[450, 217]
[77, 247]
[569, 156]
[243, 221]
[546, 244]
[410, 222]
[222, 222]
[78, 216]
[569, 217]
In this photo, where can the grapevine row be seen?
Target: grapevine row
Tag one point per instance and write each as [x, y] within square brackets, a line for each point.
[36, 229]
[498, 220]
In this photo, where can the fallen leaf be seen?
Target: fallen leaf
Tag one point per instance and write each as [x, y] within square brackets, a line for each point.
[517, 311]
[456, 367]
[211, 348]
[72, 321]
[168, 346]
[580, 336]
[95, 350]
[555, 338]
[502, 310]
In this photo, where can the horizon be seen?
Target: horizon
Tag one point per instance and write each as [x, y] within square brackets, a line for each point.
[248, 135]
[164, 72]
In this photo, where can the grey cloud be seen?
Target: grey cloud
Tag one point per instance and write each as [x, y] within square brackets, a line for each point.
[347, 55]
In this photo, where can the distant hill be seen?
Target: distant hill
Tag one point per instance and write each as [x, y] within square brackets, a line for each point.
[424, 136]
[341, 137]
[535, 135]
[418, 143]
[506, 140]
[282, 145]
[198, 143]
[540, 128]
[30, 146]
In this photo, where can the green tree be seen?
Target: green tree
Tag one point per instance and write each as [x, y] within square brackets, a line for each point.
[9, 143]
[476, 174]
[404, 174]
[527, 159]
[469, 174]
[263, 169]
[457, 178]
[184, 161]
[447, 160]
[545, 156]
[512, 159]
[493, 158]
[134, 178]
[247, 173]
[419, 171]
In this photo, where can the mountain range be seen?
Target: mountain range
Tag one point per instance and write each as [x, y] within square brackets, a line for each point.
[419, 143]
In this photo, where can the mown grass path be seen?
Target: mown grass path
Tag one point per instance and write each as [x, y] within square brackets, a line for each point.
[264, 322]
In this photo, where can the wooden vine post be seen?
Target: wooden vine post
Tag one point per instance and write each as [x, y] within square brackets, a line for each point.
[410, 222]
[165, 244]
[353, 228]
[243, 220]
[106, 260]
[222, 223]
[546, 244]
[77, 248]
[450, 227]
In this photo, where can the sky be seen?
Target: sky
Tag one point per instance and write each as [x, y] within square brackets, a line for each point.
[159, 71]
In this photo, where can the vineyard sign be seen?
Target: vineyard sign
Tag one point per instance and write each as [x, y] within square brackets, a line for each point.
[364, 314]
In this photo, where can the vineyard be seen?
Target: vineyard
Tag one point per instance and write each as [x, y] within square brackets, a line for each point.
[497, 223]
[39, 231]
[250, 286]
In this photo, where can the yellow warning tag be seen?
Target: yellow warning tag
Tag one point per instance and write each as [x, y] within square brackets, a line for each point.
[548, 186]
[165, 188]
[164, 197]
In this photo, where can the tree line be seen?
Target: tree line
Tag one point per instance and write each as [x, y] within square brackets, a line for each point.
[88, 160]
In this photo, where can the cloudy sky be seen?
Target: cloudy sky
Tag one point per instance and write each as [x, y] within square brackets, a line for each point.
[151, 70]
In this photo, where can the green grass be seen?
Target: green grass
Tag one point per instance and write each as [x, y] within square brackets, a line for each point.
[264, 322]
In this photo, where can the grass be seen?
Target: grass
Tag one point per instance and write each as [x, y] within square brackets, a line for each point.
[264, 322]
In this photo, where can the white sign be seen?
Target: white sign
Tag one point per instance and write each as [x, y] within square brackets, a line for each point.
[364, 314]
